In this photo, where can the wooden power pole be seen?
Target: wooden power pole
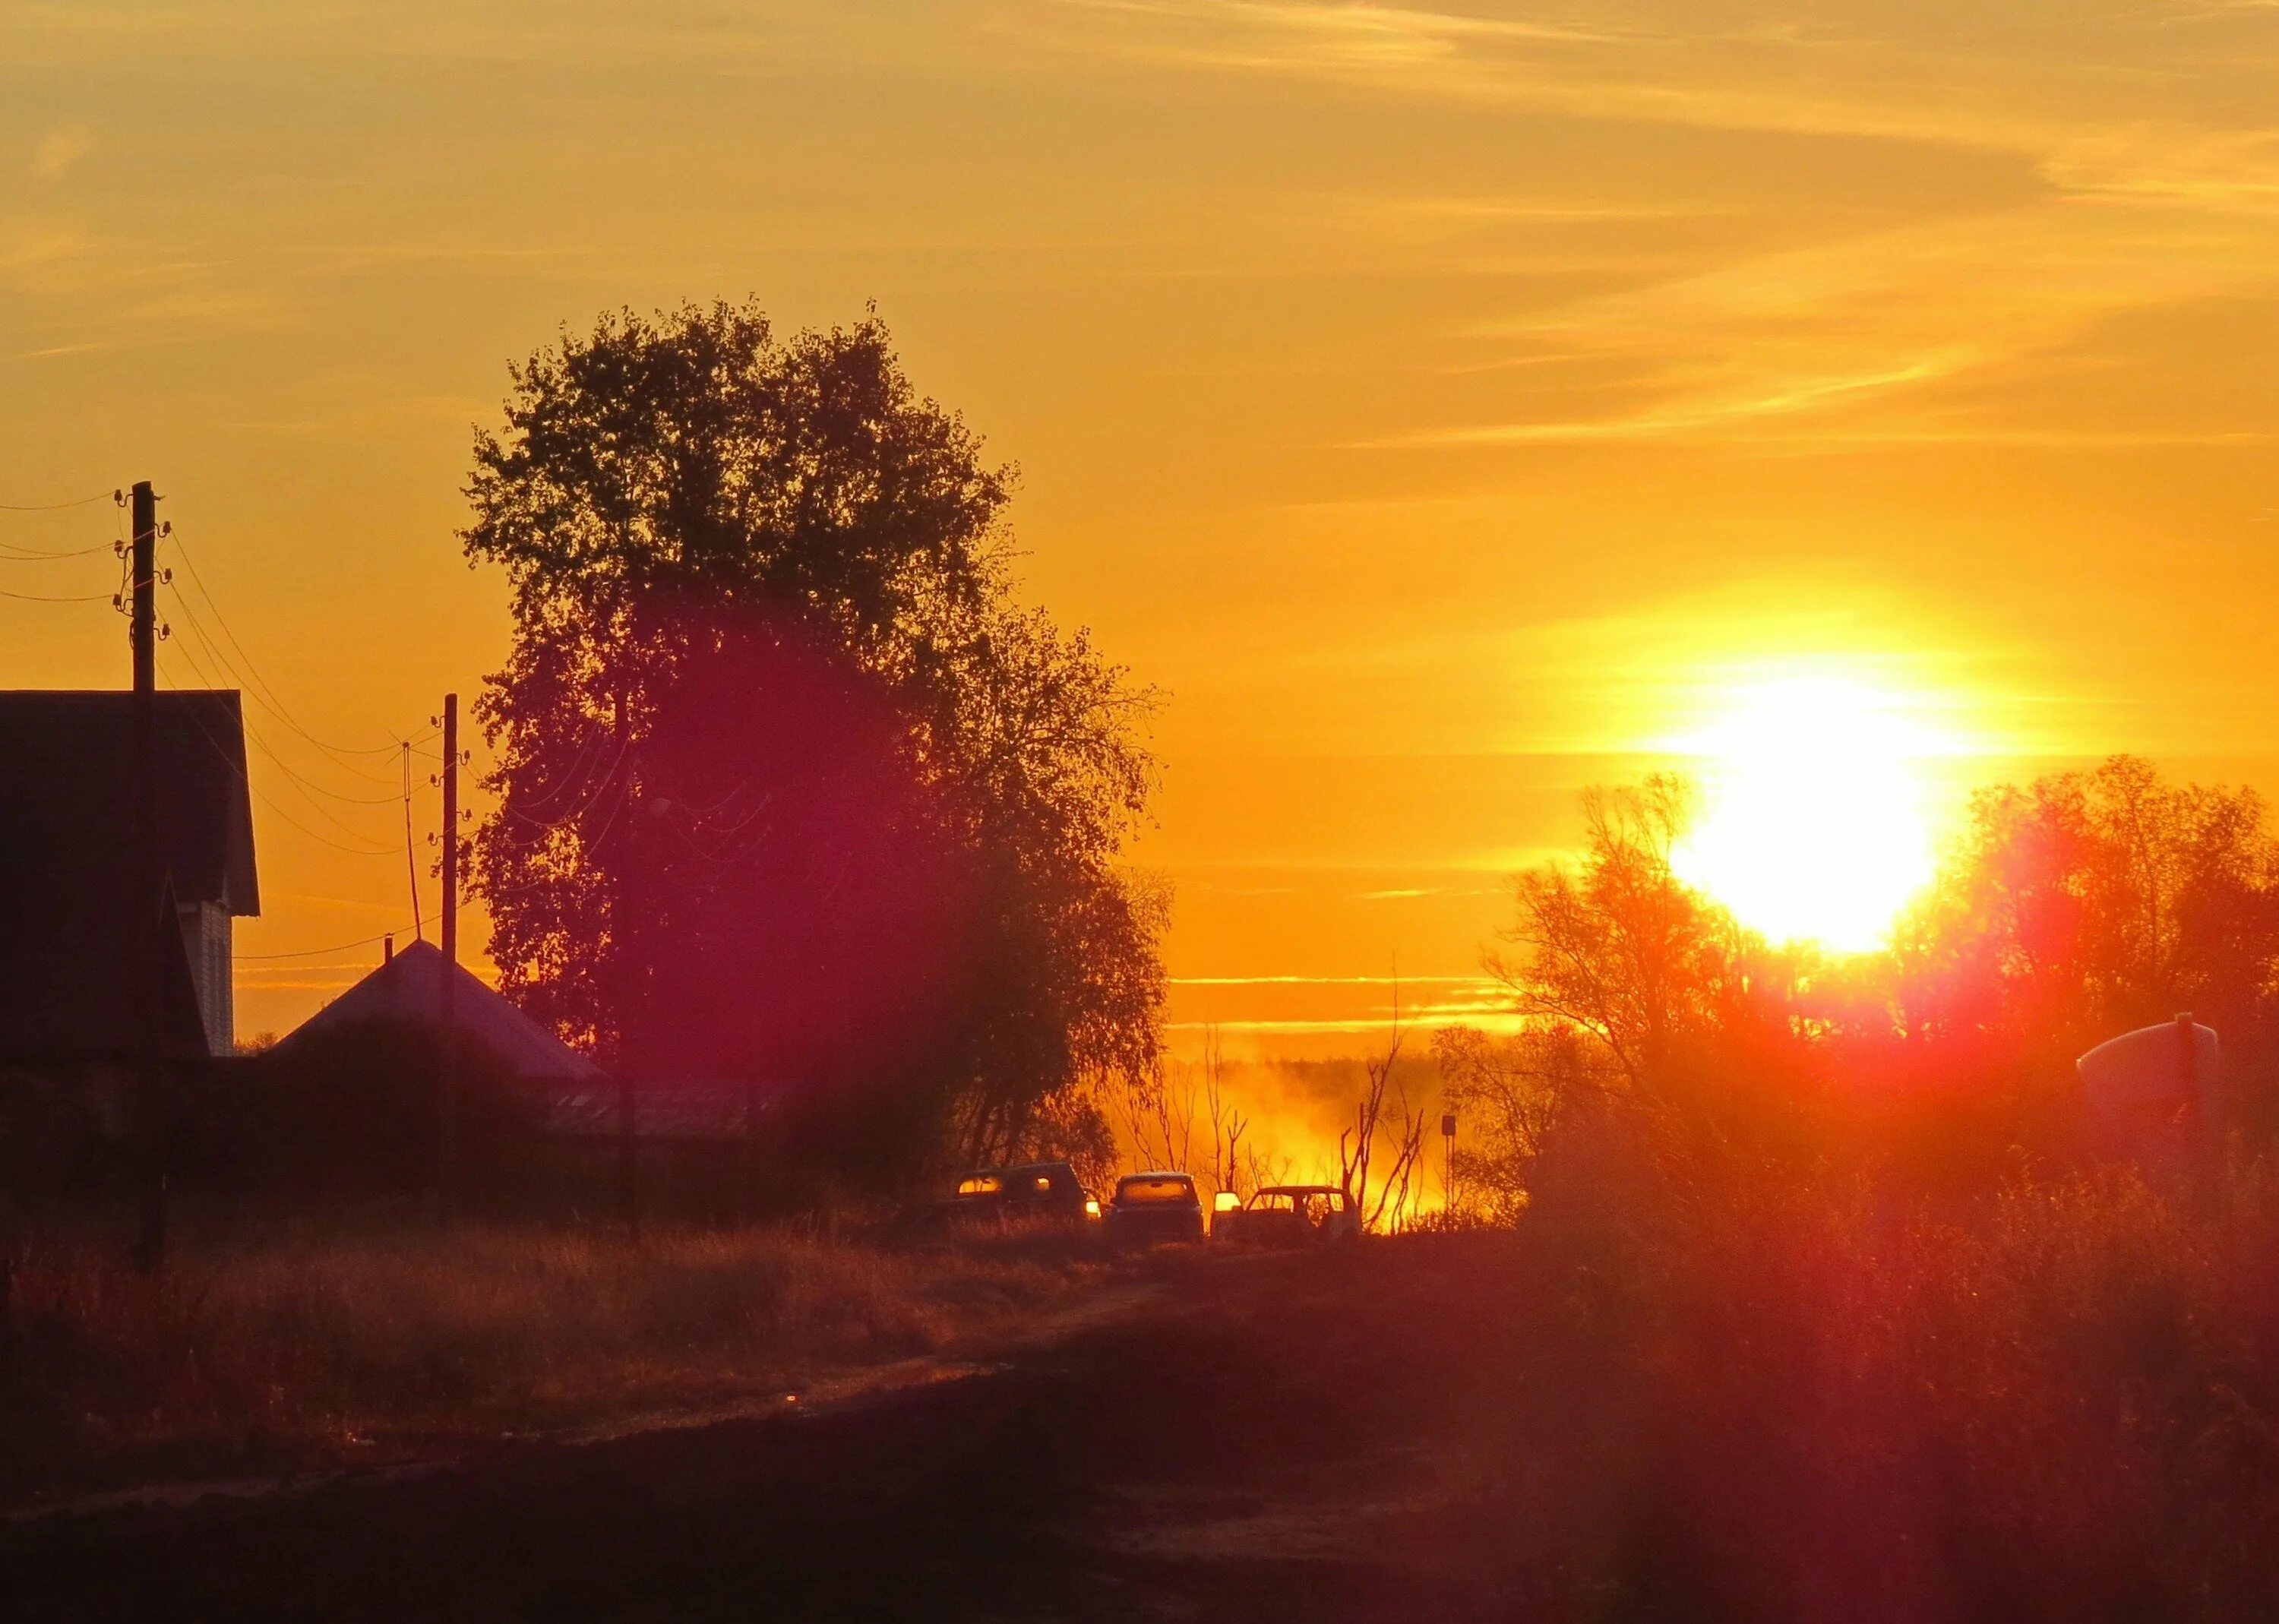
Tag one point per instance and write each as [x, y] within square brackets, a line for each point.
[633, 982]
[147, 943]
[447, 1089]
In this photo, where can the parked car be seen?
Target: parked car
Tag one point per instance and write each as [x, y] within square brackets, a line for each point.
[1289, 1215]
[1035, 1190]
[1148, 1208]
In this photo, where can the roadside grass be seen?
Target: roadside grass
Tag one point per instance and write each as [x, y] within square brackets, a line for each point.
[255, 1353]
[2058, 1399]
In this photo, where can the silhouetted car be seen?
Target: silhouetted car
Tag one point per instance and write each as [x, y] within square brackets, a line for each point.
[1149, 1208]
[1035, 1190]
[1288, 1215]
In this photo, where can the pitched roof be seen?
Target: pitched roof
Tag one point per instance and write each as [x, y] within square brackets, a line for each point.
[73, 906]
[67, 767]
[410, 986]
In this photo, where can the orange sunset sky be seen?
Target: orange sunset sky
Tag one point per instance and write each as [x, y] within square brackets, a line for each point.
[1448, 407]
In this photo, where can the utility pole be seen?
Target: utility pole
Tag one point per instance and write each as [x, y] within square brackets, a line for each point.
[410, 862]
[634, 985]
[148, 978]
[1448, 1163]
[447, 1127]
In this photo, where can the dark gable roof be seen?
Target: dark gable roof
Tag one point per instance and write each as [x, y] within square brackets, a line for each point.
[572, 1095]
[410, 987]
[69, 904]
[67, 767]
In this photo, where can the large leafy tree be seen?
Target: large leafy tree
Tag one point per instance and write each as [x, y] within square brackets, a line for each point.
[790, 786]
[1619, 951]
[2089, 902]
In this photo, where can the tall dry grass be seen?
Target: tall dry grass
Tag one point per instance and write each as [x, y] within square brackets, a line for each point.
[253, 1351]
[1808, 1400]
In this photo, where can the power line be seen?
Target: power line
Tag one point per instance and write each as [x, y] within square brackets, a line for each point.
[262, 744]
[311, 953]
[353, 851]
[220, 657]
[257, 687]
[577, 769]
[9, 553]
[58, 507]
[543, 827]
[291, 821]
[256, 678]
[592, 790]
[307, 783]
[34, 597]
[410, 857]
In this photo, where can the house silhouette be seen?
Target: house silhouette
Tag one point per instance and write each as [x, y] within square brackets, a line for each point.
[408, 988]
[74, 905]
[570, 1095]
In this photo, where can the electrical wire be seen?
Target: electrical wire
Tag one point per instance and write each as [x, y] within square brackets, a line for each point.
[538, 881]
[410, 861]
[307, 783]
[257, 689]
[577, 769]
[222, 662]
[543, 827]
[58, 507]
[353, 851]
[252, 676]
[289, 820]
[612, 820]
[346, 828]
[11, 553]
[311, 953]
[244, 969]
[34, 597]
[593, 789]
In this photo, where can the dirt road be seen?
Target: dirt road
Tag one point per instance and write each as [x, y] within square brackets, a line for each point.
[1267, 1437]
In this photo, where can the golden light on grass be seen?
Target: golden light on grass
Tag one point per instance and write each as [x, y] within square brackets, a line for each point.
[1819, 818]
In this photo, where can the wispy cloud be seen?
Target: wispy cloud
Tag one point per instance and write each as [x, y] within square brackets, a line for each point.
[1800, 395]
[55, 153]
[1352, 30]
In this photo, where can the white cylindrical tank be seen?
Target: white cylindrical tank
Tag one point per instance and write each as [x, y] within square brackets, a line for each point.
[2152, 1073]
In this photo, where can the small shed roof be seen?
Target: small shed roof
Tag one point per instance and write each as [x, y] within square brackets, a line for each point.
[410, 987]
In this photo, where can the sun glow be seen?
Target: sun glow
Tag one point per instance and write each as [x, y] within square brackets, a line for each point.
[1818, 819]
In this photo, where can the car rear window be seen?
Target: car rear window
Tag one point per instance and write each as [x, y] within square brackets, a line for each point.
[1141, 1190]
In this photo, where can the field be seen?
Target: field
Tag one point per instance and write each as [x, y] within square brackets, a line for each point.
[2051, 1402]
[315, 1346]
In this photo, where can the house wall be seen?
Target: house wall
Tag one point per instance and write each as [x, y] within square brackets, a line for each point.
[207, 940]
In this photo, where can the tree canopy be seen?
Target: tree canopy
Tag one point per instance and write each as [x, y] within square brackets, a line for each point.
[790, 786]
[2069, 910]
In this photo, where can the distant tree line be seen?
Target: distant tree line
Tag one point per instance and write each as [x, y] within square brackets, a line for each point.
[2073, 909]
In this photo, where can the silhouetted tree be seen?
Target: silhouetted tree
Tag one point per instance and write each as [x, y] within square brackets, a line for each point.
[2071, 910]
[1621, 951]
[1511, 1092]
[2087, 904]
[789, 786]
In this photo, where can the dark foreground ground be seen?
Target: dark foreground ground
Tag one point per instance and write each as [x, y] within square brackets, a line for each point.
[1297, 1436]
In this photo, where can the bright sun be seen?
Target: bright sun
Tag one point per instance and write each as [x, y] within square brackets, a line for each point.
[1816, 821]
